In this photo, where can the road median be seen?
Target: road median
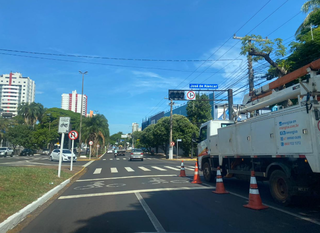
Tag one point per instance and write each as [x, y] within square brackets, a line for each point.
[24, 189]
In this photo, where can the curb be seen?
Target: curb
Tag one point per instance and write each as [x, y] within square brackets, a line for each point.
[16, 218]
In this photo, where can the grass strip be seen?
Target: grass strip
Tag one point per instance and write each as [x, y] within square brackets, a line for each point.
[20, 186]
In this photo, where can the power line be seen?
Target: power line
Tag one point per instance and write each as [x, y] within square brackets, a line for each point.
[111, 58]
[285, 23]
[97, 63]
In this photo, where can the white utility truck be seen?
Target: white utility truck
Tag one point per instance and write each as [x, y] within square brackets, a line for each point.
[282, 147]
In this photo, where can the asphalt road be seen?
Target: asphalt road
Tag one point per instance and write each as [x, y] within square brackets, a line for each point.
[117, 195]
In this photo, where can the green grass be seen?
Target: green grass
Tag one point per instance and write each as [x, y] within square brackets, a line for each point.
[19, 186]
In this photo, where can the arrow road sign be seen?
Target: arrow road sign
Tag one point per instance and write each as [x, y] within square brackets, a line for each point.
[191, 95]
[73, 135]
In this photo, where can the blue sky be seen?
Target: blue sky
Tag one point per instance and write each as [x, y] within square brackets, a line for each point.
[127, 91]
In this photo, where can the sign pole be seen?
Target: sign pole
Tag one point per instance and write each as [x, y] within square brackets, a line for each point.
[177, 149]
[97, 150]
[90, 153]
[60, 157]
[72, 146]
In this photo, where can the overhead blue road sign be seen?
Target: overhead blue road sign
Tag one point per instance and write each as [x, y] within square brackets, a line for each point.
[204, 86]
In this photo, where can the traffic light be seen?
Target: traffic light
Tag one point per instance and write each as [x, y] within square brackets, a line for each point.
[176, 95]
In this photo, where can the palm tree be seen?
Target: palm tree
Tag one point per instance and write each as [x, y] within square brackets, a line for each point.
[312, 6]
[23, 110]
[31, 112]
[96, 129]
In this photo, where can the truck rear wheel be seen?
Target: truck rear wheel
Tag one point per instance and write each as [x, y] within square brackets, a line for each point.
[280, 187]
[207, 174]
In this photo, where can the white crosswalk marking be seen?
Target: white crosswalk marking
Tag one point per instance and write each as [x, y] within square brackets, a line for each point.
[158, 168]
[144, 169]
[104, 159]
[149, 158]
[124, 158]
[190, 169]
[97, 171]
[118, 159]
[173, 168]
[111, 159]
[114, 170]
[129, 169]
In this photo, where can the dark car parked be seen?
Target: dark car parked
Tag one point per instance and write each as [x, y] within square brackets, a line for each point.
[26, 152]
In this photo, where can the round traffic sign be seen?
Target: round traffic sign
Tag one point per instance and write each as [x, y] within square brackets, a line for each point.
[191, 95]
[73, 135]
[91, 143]
[172, 143]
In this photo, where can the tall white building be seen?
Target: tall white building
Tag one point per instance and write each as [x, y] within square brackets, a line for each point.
[135, 127]
[15, 89]
[73, 102]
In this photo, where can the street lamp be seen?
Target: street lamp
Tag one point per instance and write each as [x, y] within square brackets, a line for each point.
[80, 142]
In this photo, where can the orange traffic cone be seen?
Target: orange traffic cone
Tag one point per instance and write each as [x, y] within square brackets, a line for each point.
[182, 171]
[254, 196]
[219, 183]
[196, 178]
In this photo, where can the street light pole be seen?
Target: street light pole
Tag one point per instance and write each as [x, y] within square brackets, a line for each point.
[80, 142]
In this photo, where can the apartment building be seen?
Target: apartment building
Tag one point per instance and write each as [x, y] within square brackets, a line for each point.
[73, 102]
[15, 89]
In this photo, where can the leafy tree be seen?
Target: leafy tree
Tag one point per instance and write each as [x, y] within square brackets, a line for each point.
[182, 128]
[136, 136]
[21, 135]
[256, 46]
[115, 138]
[199, 111]
[147, 138]
[313, 7]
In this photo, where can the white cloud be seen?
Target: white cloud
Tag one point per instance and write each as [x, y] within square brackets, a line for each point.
[39, 92]
[232, 63]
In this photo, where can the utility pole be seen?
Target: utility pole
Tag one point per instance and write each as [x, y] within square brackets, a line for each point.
[170, 138]
[250, 69]
[80, 142]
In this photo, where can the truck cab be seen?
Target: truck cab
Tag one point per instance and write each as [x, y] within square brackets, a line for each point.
[207, 132]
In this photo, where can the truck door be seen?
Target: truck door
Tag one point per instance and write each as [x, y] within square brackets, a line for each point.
[203, 145]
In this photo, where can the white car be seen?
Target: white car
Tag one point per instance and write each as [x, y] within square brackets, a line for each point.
[6, 151]
[66, 155]
[109, 151]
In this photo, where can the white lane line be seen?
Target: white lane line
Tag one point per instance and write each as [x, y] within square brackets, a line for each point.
[187, 168]
[158, 168]
[111, 159]
[134, 191]
[149, 158]
[144, 169]
[88, 163]
[124, 158]
[172, 168]
[278, 209]
[118, 159]
[129, 169]
[125, 177]
[155, 222]
[97, 171]
[114, 170]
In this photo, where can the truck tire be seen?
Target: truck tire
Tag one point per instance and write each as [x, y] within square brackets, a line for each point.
[280, 187]
[5, 155]
[207, 174]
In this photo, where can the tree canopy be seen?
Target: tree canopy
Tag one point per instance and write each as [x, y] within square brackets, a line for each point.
[199, 111]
